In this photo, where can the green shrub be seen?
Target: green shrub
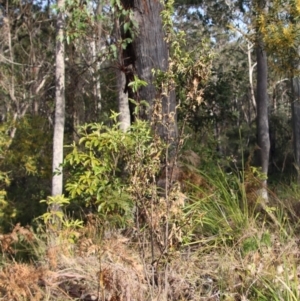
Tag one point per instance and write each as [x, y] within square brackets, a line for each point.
[107, 169]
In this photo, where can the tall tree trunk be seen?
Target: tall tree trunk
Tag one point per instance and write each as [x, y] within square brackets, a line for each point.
[251, 86]
[295, 106]
[263, 138]
[150, 52]
[59, 124]
[123, 101]
[11, 89]
[296, 124]
[96, 45]
[262, 109]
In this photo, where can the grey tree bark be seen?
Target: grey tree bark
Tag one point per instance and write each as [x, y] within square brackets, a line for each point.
[251, 68]
[59, 123]
[262, 109]
[295, 103]
[123, 101]
[296, 124]
[96, 45]
[263, 137]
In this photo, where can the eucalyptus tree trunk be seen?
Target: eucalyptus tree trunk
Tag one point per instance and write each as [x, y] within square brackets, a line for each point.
[123, 101]
[263, 137]
[295, 100]
[150, 52]
[59, 123]
[262, 109]
[96, 45]
[251, 86]
[296, 124]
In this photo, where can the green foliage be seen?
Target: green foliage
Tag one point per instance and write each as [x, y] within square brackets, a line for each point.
[57, 221]
[104, 164]
[128, 26]
[255, 243]
[60, 201]
[94, 169]
[79, 19]
[135, 85]
[27, 162]
[189, 69]
[6, 212]
[279, 27]
[29, 153]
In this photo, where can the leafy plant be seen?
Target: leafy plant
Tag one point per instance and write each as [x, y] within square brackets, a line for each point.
[6, 211]
[107, 167]
[26, 166]
[78, 20]
[58, 221]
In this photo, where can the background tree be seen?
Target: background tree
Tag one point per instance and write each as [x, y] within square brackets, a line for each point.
[59, 123]
[263, 139]
[123, 72]
[26, 68]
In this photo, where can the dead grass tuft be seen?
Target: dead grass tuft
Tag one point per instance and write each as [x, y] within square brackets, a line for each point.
[111, 273]
[18, 234]
[20, 281]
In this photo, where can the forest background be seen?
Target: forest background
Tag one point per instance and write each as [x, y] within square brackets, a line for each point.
[169, 130]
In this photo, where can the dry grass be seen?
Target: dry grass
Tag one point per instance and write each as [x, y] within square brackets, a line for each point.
[107, 271]
[18, 234]
[21, 282]
[113, 271]
[258, 261]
